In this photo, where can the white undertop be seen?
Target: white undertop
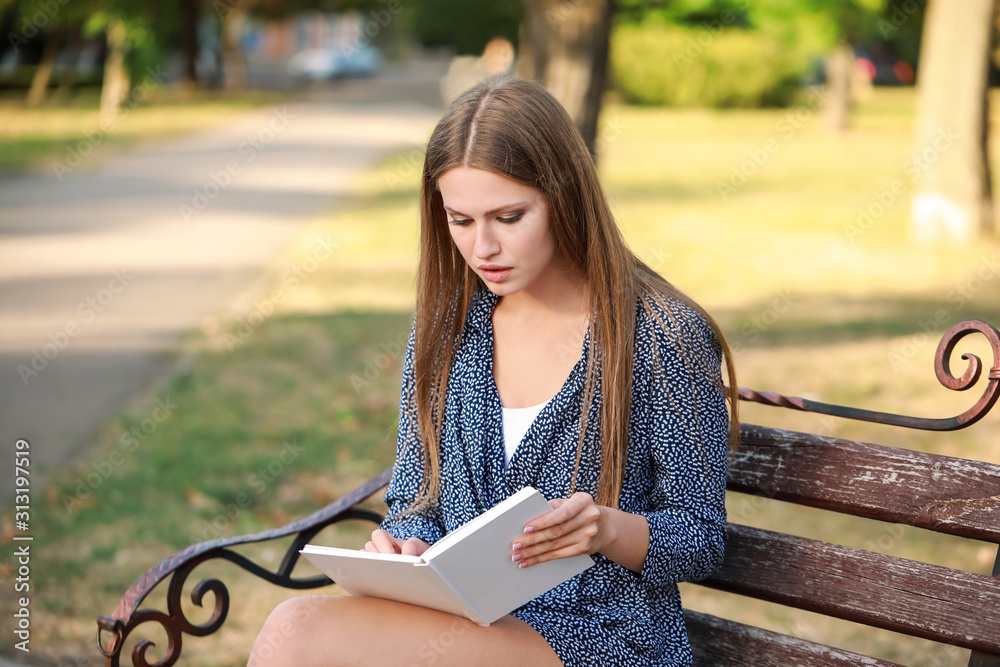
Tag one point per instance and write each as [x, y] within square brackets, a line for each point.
[516, 422]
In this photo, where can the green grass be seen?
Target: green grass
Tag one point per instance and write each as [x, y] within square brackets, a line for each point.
[810, 312]
[32, 138]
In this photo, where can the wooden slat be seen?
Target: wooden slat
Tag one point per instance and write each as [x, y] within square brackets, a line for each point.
[941, 493]
[718, 642]
[902, 595]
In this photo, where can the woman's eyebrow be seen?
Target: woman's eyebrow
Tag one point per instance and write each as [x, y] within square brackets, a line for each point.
[492, 211]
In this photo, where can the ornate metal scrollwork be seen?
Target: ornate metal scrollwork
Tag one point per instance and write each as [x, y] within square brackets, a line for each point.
[175, 623]
[942, 369]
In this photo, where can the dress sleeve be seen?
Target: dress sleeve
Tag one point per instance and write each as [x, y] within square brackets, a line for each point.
[408, 470]
[686, 425]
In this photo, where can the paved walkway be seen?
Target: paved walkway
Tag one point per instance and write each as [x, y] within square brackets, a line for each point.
[103, 272]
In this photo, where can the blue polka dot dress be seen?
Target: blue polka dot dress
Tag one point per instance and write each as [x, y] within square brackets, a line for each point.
[675, 477]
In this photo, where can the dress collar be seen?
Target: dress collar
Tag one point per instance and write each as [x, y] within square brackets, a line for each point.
[481, 309]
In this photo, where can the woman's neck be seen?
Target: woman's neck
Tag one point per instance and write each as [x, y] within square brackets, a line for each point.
[559, 293]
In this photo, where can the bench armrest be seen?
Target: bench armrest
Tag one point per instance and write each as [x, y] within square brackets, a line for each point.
[127, 615]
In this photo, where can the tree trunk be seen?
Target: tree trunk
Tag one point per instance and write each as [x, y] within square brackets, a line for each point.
[953, 196]
[40, 81]
[115, 84]
[190, 13]
[67, 79]
[839, 69]
[567, 50]
[234, 63]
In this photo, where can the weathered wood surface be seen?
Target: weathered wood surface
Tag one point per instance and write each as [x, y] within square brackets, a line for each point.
[718, 642]
[941, 493]
[906, 596]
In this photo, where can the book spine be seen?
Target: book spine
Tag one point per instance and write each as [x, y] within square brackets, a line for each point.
[472, 613]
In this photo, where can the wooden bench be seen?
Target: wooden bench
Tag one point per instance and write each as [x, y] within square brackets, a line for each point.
[938, 493]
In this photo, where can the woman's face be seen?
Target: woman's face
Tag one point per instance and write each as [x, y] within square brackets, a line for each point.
[501, 228]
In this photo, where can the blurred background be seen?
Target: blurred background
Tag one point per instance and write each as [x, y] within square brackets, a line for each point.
[208, 235]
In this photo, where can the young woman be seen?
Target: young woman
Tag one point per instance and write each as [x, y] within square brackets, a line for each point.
[543, 353]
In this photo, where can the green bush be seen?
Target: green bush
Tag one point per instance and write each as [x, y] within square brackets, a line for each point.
[668, 65]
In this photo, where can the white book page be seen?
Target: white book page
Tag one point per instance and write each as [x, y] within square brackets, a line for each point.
[489, 515]
[388, 576]
[479, 567]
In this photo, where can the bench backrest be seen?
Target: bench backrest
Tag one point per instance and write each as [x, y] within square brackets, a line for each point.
[938, 493]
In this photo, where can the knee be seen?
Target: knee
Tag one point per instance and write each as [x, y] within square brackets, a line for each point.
[281, 636]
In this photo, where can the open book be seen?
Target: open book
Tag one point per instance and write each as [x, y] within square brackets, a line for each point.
[468, 572]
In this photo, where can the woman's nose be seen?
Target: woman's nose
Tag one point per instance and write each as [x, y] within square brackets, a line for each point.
[486, 244]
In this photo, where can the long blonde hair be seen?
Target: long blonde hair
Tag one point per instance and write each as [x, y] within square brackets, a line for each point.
[517, 129]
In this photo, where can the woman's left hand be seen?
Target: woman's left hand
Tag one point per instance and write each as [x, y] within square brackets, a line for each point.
[575, 526]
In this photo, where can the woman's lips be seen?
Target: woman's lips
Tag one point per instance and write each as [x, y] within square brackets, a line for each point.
[494, 272]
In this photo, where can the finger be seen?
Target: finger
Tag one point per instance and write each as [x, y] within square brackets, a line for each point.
[566, 552]
[385, 543]
[413, 546]
[582, 539]
[563, 510]
[370, 547]
[588, 516]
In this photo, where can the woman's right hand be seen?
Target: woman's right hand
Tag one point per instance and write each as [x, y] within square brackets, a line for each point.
[384, 543]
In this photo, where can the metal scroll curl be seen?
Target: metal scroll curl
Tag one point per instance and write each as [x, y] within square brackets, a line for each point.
[176, 623]
[942, 370]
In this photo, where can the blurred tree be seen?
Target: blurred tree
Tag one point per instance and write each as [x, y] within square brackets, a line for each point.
[132, 44]
[466, 26]
[564, 45]
[57, 24]
[833, 27]
[954, 199]
[189, 15]
[805, 28]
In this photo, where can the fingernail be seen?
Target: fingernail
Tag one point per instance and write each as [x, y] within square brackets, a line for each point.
[516, 557]
[517, 545]
[529, 529]
[523, 565]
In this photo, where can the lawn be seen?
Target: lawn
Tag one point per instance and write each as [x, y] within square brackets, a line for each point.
[280, 412]
[70, 131]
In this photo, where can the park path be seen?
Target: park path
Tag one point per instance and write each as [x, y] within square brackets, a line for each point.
[103, 272]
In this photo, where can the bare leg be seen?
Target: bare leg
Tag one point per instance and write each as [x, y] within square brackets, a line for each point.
[330, 631]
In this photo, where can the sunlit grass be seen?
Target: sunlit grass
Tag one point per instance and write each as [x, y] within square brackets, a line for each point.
[31, 138]
[809, 308]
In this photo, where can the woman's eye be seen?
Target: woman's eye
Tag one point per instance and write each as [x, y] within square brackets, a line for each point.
[460, 223]
[513, 218]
